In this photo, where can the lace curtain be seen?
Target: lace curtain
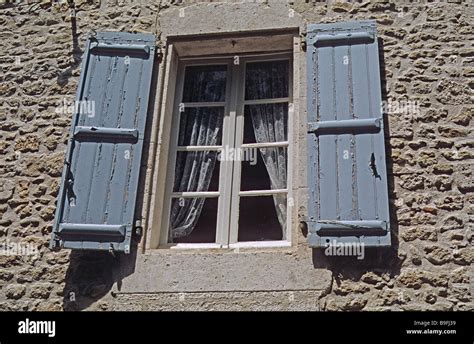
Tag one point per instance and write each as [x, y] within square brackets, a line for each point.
[266, 81]
[269, 124]
[202, 126]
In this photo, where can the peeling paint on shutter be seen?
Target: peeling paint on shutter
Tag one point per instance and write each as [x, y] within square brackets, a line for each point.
[97, 197]
[348, 194]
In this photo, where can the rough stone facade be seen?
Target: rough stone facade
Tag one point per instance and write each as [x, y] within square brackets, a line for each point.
[428, 57]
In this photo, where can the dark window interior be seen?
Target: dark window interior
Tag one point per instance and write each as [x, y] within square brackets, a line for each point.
[181, 160]
[205, 83]
[204, 118]
[254, 177]
[205, 230]
[265, 80]
[258, 219]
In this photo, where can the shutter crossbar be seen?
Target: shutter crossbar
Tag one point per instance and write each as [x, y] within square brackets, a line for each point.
[91, 229]
[102, 132]
[343, 38]
[121, 47]
[344, 126]
[323, 225]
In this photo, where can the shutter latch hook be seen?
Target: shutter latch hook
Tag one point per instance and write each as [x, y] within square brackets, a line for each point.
[111, 250]
[373, 167]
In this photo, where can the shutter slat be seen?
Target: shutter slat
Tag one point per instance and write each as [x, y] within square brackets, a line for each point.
[105, 146]
[327, 112]
[364, 142]
[381, 183]
[343, 114]
[347, 178]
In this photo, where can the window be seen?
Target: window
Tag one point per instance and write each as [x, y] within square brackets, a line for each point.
[221, 173]
[227, 180]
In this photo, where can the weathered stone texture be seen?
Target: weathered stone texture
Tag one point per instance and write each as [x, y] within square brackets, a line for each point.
[428, 57]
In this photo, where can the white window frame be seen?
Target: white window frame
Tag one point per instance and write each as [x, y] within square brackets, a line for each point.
[220, 237]
[205, 45]
[232, 136]
[237, 168]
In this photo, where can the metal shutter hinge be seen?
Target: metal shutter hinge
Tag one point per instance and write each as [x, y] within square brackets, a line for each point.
[138, 228]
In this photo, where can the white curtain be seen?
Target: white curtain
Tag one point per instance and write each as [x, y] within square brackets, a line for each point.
[269, 124]
[198, 127]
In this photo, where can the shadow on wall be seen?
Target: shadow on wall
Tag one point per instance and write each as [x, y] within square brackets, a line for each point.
[91, 275]
[63, 78]
[381, 260]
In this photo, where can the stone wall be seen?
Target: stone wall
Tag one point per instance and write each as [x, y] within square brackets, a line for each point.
[428, 58]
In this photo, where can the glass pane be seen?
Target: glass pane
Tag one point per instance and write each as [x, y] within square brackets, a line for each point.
[265, 80]
[201, 126]
[193, 220]
[196, 171]
[204, 83]
[266, 123]
[268, 172]
[259, 219]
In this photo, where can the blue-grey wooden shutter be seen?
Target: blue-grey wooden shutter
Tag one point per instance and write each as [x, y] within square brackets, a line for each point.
[347, 174]
[97, 197]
